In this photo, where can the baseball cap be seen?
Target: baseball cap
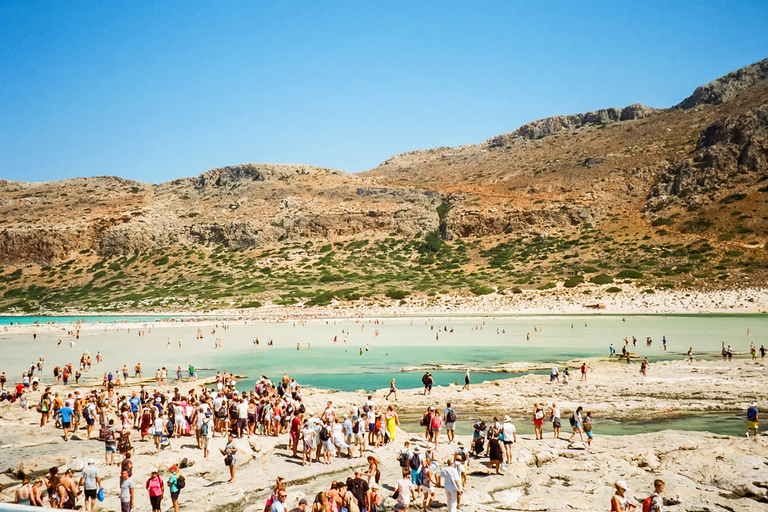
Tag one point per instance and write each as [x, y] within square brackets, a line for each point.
[302, 501]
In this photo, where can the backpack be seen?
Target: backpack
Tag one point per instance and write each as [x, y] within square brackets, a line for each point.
[356, 427]
[437, 422]
[204, 429]
[105, 433]
[424, 420]
[572, 420]
[181, 482]
[366, 408]
[415, 462]
[450, 416]
[324, 435]
[752, 414]
[647, 502]
[403, 459]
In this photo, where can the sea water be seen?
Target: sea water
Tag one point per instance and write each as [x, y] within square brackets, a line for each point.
[362, 354]
[366, 355]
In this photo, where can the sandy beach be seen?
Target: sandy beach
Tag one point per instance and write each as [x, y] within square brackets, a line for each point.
[703, 471]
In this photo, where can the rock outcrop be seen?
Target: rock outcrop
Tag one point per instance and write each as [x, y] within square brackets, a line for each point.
[726, 87]
[551, 125]
[731, 152]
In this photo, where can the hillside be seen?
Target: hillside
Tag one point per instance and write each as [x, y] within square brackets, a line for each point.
[670, 198]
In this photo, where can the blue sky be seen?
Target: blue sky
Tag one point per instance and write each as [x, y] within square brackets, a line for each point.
[154, 91]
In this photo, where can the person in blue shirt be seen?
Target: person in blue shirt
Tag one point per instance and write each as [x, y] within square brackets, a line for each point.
[135, 401]
[65, 415]
[753, 418]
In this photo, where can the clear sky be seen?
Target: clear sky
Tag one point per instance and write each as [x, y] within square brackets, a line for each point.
[158, 90]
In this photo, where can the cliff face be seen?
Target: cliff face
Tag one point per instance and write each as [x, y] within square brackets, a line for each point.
[238, 207]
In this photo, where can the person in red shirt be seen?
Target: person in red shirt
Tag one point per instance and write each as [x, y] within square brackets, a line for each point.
[295, 433]
[19, 388]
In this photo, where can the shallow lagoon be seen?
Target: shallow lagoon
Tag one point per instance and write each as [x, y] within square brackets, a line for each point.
[479, 343]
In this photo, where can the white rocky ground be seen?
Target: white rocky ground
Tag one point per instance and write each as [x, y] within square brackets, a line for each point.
[703, 471]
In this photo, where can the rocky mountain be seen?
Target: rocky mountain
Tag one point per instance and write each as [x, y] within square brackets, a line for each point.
[674, 195]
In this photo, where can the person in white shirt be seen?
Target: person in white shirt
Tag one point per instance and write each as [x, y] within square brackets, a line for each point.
[510, 436]
[451, 484]
[242, 417]
[404, 489]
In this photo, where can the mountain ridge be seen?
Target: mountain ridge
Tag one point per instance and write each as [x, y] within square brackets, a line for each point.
[682, 188]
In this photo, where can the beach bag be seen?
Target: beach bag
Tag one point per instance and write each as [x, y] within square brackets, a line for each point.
[228, 460]
[572, 420]
[181, 482]
[450, 416]
[539, 415]
[100, 494]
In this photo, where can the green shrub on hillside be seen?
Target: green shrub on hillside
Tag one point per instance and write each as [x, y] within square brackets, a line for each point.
[601, 279]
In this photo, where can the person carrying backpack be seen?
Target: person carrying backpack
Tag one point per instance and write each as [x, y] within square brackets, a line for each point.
[404, 455]
[176, 482]
[450, 422]
[414, 467]
[436, 425]
[654, 502]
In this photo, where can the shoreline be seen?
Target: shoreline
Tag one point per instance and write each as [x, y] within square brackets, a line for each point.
[746, 301]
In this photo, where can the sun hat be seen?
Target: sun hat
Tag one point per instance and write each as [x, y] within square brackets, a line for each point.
[622, 484]
[507, 419]
[416, 450]
[754, 404]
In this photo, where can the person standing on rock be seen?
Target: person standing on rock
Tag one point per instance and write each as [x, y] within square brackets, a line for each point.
[449, 415]
[230, 457]
[126, 492]
[466, 380]
[90, 481]
[576, 422]
[753, 417]
[175, 483]
[538, 421]
[156, 489]
[587, 427]
[392, 390]
[509, 434]
[451, 482]
[554, 417]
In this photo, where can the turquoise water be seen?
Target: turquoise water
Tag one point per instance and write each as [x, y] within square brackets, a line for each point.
[481, 343]
[722, 423]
